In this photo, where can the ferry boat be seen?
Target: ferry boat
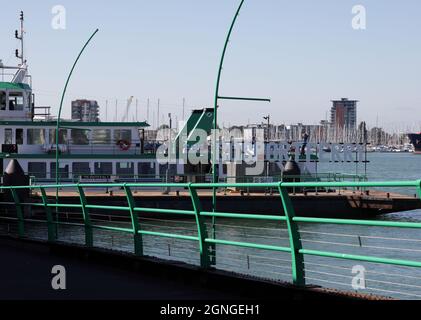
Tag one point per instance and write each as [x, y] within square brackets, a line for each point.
[104, 151]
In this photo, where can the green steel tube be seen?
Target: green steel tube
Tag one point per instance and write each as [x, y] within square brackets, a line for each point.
[116, 208]
[243, 216]
[61, 107]
[244, 99]
[393, 224]
[169, 211]
[27, 204]
[249, 245]
[52, 235]
[19, 213]
[215, 111]
[397, 262]
[297, 258]
[390, 184]
[419, 189]
[89, 239]
[67, 205]
[125, 230]
[202, 233]
[168, 235]
[137, 237]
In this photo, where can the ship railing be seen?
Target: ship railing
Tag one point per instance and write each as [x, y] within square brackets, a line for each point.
[87, 177]
[368, 256]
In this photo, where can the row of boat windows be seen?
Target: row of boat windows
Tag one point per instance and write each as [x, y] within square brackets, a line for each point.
[123, 169]
[77, 136]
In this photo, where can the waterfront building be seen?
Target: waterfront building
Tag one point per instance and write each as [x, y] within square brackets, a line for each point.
[85, 110]
[343, 119]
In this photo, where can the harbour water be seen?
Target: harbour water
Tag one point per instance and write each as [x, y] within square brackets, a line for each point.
[382, 166]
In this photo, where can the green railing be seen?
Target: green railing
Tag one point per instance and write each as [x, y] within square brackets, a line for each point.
[206, 244]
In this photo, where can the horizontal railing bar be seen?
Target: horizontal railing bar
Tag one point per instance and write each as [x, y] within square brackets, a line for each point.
[168, 235]
[64, 205]
[170, 211]
[395, 224]
[112, 228]
[398, 262]
[30, 204]
[9, 219]
[117, 208]
[234, 185]
[391, 184]
[229, 185]
[100, 185]
[70, 224]
[245, 99]
[242, 216]
[249, 245]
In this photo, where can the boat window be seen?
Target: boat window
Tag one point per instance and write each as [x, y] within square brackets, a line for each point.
[36, 136]
[37, 169]
[81, 168]
[80, 137]
[2, 100]
[103, 168]
[146, 169]
[8, 136]
[62, 134]
[172, 169]
[19, 136]
[125, 169]
[16, 101]
[125, 135]
[63, 171]
[101, 136]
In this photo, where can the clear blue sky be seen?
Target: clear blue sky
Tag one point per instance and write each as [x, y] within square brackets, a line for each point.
[300, 53]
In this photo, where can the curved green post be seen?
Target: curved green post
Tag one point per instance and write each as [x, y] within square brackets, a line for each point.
[215, 116]
[202, 234]
[61, 106]
[215, 111]
[419, 188]
[19, 213]
[52, 231]
[297, 258]
[89, 238]
[137, 236]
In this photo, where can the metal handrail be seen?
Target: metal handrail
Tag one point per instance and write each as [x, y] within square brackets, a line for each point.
[296, 249]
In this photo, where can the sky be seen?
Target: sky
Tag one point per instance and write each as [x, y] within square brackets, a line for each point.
[301, 54]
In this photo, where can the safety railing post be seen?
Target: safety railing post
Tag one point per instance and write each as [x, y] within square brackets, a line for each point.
[137, 237]
[89, 238]
[19, 213]
[419, 188]
[202, 233]
[52, 234]
[297, 259]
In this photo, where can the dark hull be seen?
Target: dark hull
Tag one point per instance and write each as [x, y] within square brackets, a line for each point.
[416, 141]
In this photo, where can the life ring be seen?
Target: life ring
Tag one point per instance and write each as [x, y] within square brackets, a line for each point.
[124, 145]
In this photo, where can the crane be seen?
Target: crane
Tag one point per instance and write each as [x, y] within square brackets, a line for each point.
[126, 114]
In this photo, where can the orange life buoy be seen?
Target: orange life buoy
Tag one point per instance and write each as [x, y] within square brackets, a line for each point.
[124, 145]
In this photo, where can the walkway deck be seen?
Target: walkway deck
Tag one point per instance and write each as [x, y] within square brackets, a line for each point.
[25, 273]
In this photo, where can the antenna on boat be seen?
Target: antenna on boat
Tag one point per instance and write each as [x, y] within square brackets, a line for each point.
[19, 36]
